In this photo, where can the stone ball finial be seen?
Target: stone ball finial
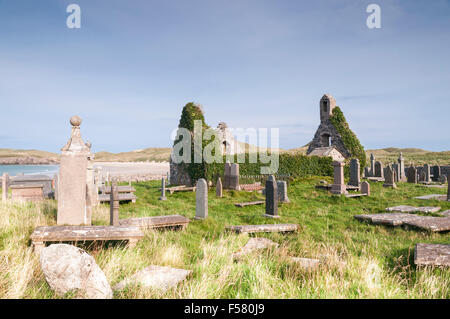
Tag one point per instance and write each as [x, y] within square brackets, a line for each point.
[75, 120]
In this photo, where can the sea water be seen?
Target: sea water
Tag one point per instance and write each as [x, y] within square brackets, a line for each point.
[14, 170]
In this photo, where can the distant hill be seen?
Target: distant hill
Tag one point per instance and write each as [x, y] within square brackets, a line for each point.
[416, 156]
[385, 155]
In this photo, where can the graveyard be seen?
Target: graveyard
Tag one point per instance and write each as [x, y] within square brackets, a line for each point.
[357, 260]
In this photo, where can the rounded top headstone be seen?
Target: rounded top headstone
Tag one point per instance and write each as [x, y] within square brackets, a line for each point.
[75, 120]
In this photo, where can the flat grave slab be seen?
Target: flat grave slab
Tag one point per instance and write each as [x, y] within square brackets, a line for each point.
[122, 197]
[254, 244]
[434, 186]
[259, 202]
[355, 195]
[410, 209]
[174, 189]
[251, 187]
[169, 221]
[268, 228]
[375, 179]
[121, 189]
[445, 213]
[433, 196]
[390, 219]
[44, 234]
[434, 224]
[352, 187]
[432, 255]
[306, 263]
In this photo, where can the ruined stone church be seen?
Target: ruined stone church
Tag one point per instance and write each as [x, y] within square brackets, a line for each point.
[327, 141]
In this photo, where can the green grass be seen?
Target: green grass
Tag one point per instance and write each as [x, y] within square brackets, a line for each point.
[360, 260]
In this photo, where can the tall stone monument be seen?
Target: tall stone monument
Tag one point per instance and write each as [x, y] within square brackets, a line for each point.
[372, 165]
[201, 199]
[401, 167]
[271, 198]
[338, 186]
[72, 179]
[234, 177]
[163, 189]
[355, 178]
[227, 175]
[426, 169]
[114, 204]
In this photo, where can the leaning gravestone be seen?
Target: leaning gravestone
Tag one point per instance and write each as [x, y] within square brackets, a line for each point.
[271, 198]
[338, 186]
[411, 175]
[68, 268]
[365, 188]
[72, 179]
[355, 178]
[201, 199]
[282, 192]
[389, 178]
[219, 189]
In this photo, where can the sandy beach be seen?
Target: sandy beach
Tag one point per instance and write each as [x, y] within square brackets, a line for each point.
[133, 170]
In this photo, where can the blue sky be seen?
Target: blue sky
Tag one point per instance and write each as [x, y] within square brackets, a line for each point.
[133, 65]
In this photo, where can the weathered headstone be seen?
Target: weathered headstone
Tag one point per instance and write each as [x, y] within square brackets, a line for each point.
[442, 179]
[436, 172]
[5, 185]
[338, 186]
[201, 199]
[271, 198]
[379, 169]
[355, 178]
[282, 192]
[366, 172]
[411, 174]
[234, 176]
[219, 190]
[448, 187]
[389, 178]
[396, 170]
[163, 189]
[426, 169]
[114, 204]
[72, 179]
[365, 188]
[227, 175]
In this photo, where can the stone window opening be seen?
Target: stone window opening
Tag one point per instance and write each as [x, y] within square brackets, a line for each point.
[325, 107]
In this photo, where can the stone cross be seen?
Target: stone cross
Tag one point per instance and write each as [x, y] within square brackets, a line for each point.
[201, 199]
[426, 168]
[72, 179]
[114, 204]
[271, 198]
[338, 186]
[365, 188]
[282, 192]
[163, 189]
[355, 178]
[389, 178]
[219, 190]
[5, 185]
[411, 175]
[234, 177]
